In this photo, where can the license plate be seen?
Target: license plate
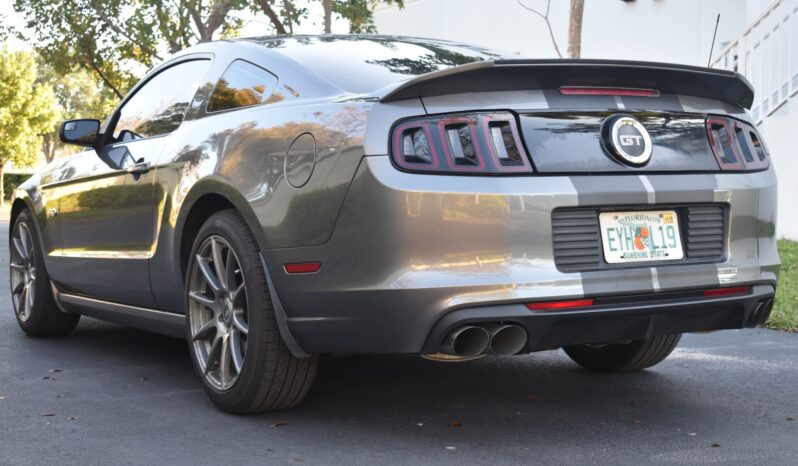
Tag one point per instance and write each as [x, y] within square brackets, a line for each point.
[640, 236]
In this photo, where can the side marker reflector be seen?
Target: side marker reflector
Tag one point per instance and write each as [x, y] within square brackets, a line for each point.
[302, 267]
[553, 305]
[726, 291]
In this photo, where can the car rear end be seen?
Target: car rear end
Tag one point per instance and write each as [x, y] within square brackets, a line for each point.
[518, 194]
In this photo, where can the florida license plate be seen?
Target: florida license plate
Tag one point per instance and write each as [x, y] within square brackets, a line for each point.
[640, 236]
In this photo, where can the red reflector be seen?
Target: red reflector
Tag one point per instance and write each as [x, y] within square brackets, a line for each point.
[621, 91]
[727, 291]
[302, 267]
[559, 305]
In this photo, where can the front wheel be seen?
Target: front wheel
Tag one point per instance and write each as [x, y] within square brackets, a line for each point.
[31, 295]
[233, 336]
[624, 357]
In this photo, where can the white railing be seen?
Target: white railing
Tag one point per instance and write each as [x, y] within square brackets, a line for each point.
[767, 54]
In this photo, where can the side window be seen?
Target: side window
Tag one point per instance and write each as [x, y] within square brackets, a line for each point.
[242, 85]
[159, 106]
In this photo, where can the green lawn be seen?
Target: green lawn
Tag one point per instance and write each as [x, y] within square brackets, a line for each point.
[785, 312]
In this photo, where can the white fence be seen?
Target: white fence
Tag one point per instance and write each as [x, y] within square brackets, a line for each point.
[767, 54]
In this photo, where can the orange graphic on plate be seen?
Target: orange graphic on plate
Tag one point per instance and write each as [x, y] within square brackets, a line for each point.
[640, 238]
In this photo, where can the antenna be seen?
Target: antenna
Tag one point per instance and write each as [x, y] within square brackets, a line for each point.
[709, 61]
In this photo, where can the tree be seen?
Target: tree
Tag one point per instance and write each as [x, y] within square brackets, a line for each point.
[27, 110]
[359, 13]
[78, 94]
[112, 37]
[575, 28]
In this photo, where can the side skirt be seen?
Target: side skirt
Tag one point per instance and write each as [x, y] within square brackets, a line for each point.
[151, 320]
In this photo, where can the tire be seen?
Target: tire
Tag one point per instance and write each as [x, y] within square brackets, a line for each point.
[32, 298]
[626, 357]
[251, 370]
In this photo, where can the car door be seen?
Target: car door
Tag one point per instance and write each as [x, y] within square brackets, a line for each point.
[106, 196]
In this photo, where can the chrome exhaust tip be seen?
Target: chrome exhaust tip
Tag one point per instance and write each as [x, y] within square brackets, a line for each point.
[506, 339]
[468, 340]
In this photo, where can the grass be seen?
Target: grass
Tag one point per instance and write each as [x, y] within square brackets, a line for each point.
[785, 312]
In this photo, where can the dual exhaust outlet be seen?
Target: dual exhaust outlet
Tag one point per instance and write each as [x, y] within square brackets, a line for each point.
[475, 340]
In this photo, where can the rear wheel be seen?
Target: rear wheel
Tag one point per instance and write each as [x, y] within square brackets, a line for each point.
[34, 306]
[624, 357]
[233, 337]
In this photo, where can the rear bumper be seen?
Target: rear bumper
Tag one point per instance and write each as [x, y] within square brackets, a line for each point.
[410, 250]
[617, 319]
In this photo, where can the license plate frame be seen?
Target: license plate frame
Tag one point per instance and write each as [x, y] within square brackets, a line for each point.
[641, 236]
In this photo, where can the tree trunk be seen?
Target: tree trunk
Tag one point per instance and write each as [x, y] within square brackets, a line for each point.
[575, 28]
[267, 9]
[327, 16]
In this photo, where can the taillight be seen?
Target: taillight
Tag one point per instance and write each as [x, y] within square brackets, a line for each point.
[483, 143]
[736, 145]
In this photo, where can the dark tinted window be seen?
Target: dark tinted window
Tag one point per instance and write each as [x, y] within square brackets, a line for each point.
[362, 64]
[158, 107]
[242, 84]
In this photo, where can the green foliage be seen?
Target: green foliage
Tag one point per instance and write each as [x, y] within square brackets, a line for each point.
[359, 13]
[11, 181]
[785, 312]
[27, 109]
[78, 94]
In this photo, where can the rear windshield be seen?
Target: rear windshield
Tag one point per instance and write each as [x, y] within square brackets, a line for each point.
[362, 64]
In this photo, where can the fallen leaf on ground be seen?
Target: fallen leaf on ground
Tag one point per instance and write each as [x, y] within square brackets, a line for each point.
[48, 414]
[456, 424]
[55, 370]
[789, 418]
[47, 377]
[280, 424]
[59, 396]
[71, 418]
[715, 445]
[144, 379]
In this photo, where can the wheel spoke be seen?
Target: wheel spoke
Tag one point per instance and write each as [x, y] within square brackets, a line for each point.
[20, 248]
[230, 270]
[25, 240]
[205, 268]
[218, 262]
[236, 352]
[19, 267]
[213, 354]
[200, 297]
[240, 323]
[238, 291]
[224, 362]
[18, 287]
[23, 302]
[205, 331]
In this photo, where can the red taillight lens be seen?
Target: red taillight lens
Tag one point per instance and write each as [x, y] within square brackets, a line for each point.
[460, 144]
[726, 291]
[554, 305]
[736, 145]
[619, 91]
[302, 267]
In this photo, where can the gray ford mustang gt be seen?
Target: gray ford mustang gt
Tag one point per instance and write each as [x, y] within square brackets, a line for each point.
[276, 199]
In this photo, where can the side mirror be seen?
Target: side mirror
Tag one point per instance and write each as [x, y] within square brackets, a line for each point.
[80, 132]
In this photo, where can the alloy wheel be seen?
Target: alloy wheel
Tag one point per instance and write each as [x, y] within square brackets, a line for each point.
[218, 319]
[23, 271]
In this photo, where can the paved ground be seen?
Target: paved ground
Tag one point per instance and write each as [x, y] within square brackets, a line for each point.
[109, 394]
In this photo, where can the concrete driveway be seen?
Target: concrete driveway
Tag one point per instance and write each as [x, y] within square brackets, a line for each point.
[112, 395]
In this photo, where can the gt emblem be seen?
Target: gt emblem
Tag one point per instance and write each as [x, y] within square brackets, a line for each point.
[627, 139]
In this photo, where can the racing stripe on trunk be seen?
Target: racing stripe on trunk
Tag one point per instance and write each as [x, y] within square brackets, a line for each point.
[673, 189]
[615, 191]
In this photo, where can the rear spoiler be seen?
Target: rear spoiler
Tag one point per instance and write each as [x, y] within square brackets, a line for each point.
[507, 75]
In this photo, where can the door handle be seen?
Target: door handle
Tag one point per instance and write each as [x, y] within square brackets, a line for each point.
[139, 167]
